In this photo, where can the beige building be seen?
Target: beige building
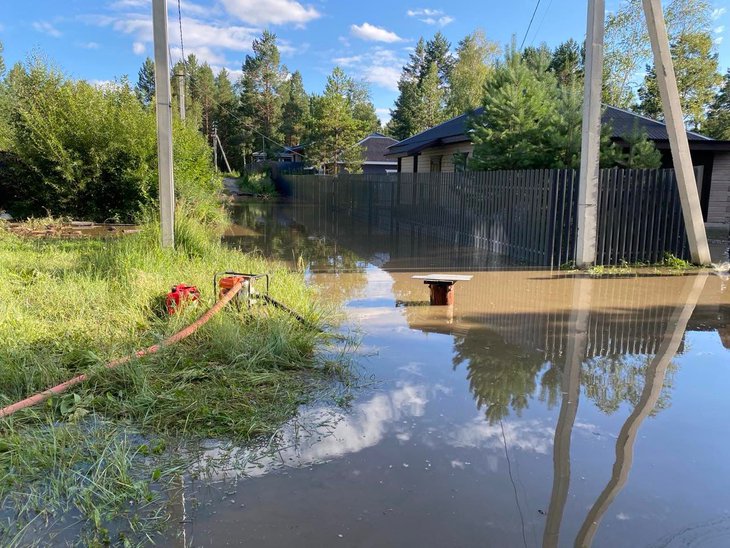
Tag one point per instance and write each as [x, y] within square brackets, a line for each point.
[446, 148]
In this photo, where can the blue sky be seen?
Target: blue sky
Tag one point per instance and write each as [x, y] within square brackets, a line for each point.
[100, 40]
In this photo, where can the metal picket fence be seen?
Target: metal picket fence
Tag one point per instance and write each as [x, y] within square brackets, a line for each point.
[527, 217]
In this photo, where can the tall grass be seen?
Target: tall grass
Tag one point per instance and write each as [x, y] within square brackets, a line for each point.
[70, 306]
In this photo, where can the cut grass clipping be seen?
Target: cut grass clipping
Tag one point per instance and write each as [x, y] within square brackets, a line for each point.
[68, 307]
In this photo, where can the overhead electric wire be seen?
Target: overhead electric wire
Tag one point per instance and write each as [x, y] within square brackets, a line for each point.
[542, 21]
[529, 26]
[182, 43]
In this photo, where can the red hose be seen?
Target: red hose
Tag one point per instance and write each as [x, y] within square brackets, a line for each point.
[40, 397]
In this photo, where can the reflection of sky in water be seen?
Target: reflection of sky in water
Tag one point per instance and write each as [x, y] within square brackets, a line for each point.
[419, 428]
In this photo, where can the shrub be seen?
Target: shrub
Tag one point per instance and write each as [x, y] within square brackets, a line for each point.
[89, 152]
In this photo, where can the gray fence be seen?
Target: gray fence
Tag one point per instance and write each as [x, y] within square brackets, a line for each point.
[527, 217]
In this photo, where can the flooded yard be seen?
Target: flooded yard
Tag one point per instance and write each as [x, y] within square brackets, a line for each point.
[543, 408]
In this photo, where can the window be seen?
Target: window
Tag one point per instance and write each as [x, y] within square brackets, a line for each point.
[436, 164]
[460, 161]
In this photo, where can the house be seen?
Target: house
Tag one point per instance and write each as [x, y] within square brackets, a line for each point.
[446, 148]
[374, 147]
[287, 155]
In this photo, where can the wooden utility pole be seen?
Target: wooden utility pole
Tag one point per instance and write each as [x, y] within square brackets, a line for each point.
[164, 123]
[181, 91]
[681, 157]
[585, 254]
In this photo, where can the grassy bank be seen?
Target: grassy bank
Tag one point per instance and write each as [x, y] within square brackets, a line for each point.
[69, 306]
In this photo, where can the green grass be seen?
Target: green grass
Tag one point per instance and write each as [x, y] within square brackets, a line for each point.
[69, 306]
[259, 184]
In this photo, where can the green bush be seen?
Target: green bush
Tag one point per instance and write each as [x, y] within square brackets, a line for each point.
[90, 152]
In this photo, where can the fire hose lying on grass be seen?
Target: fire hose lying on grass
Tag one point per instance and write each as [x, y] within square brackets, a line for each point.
[231, 286]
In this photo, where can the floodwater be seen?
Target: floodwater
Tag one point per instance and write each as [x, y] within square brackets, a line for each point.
[543, 408]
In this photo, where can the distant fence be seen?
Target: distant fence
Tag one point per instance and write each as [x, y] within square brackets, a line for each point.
[528, 217]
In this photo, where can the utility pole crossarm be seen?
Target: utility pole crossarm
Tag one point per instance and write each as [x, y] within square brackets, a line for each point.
[163, 100]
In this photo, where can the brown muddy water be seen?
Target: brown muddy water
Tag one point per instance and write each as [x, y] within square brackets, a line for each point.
[543, 408]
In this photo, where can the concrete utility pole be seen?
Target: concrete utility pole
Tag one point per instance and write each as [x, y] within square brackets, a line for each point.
[181, 91]
[215, 146]
[164, 123]
[585, 254]
[681, 157]
[223, 152]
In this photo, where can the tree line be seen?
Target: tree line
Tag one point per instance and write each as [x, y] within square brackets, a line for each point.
[268, 108]
[532, 98]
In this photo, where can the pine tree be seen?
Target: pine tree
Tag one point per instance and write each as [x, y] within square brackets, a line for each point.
[538, 59]
[641, 152]
[261, 103]
[145, 88]
[438, 52]
[432, 111]
[295, 113]
[695, 64]
[567, 62]
[474, 59]
[334, 129]
[203, 94]
[519, 111]
[564, 134]
[2, 61]
[404, 116]
[718, 118]
[224, 115]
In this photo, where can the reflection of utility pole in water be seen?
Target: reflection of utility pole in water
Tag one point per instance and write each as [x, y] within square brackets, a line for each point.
[575, 354]
[653, 385]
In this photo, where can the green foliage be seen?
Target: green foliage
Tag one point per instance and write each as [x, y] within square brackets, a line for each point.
[259, 184]
[475, 57]
[627, 45]
[518, 112]
[530, 121]
[334, 129]
[641, 152]
[70, 306]
[145, 88]
[295, 110]
[260, 99]
[423, 88]
[567, 62]
[675, 262]
[718, 117]
[695, 66]
[87, 152]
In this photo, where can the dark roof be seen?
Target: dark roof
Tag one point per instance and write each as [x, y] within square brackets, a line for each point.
[455, 131]
[451, 131]
[374, 148]
[623, 122]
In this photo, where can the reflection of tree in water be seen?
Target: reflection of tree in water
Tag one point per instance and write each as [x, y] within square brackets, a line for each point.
[503, 376]
[611, 381]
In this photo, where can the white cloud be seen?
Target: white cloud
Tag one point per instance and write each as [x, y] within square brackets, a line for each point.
[45, 27]
[379, 66]
[270, 12]
[385, 77]
[383, 115]
[347, 61]
[89, 45]
[718, 40]
[431, 16]
[720, 29]
[369, 32]
[719, 12]
[139, 48]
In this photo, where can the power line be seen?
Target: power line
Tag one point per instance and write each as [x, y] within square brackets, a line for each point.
[542, 21]
[530, 25]
[182, 44]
